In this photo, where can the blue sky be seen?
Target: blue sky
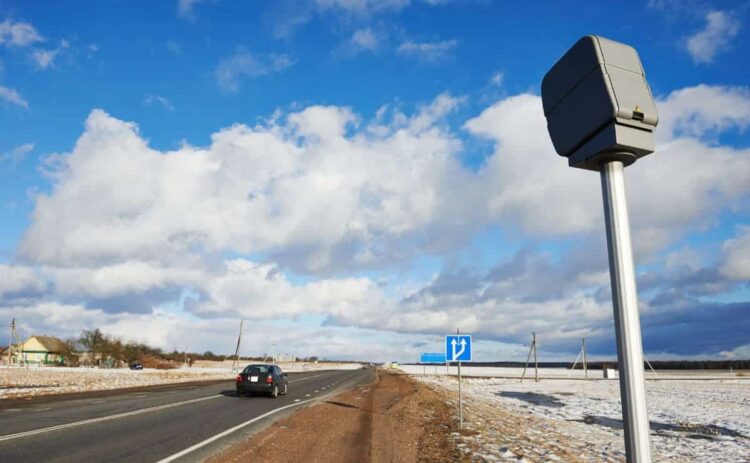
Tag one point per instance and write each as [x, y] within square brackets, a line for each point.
[361, 176]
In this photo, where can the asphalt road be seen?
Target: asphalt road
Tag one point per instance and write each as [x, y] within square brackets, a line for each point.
[178, 424]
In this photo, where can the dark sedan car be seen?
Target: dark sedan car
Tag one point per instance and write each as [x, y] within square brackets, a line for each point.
[264, 379]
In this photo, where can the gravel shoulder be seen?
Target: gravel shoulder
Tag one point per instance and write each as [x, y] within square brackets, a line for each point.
[395, 419]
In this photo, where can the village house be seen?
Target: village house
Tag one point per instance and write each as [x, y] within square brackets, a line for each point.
[38, 350]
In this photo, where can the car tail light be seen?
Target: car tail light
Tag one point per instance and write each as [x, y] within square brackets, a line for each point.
[239, 378]
[269, 379]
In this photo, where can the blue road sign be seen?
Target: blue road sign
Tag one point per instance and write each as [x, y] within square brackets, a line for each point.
[458, 348]
[432, 357]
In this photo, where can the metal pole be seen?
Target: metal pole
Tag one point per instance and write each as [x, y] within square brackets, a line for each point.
[460, 400]
[627, 323]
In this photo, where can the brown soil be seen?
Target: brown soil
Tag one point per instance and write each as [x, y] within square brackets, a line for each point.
[395, 419]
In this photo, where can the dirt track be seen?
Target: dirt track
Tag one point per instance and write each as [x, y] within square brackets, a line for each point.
[395, 419]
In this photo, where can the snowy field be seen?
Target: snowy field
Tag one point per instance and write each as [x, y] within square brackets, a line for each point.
[559, 373]
[18, 382]
[693, 420]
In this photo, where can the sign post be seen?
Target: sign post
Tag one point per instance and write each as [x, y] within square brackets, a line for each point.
[601, 116]
[457, 349]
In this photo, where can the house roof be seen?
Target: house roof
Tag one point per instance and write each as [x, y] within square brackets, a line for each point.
[50, 343]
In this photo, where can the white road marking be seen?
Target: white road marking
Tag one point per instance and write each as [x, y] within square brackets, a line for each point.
[307, 395]
[103, 418]
[43, 409]
[315, 391]
[74, 424]
[305, 378]
[227, 432]
[296, 400]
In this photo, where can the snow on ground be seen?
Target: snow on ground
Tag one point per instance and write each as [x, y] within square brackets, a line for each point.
[692, 420]
[18, 382]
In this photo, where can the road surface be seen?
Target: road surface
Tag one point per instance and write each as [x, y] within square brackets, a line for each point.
[177, 424]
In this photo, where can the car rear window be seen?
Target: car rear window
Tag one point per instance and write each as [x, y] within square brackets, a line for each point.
[257, 369]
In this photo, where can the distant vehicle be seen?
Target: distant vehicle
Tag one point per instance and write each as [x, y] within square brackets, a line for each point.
[136, 366]
[264, 379]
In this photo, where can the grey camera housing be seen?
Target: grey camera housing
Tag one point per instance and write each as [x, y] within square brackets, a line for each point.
[598, 104]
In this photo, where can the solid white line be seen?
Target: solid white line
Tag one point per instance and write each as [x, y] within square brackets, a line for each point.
[103, 418]
[228, 431]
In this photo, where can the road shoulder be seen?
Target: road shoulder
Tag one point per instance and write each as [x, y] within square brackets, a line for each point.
[395, 419]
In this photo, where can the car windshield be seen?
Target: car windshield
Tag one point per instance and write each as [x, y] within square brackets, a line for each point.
[257, 369]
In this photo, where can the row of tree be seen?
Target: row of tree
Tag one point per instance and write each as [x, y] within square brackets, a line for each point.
[96, 348]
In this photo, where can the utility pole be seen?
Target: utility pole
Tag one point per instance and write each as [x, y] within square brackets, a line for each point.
[10, 340]
[237, 349]
[536, 365]
[585, 366]
[532, 348]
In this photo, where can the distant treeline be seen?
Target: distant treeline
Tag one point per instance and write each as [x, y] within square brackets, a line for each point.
[96, 348]
[657, 364]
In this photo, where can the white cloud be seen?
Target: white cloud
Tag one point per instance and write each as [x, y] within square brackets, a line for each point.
[122, 278]
[306, 187]
[152, 99]
[497, 79]
[45, 59]
[430, 52]
[703, 111]
[9, 95]
[230, 71]
[529, 184]
[324, 191]
[371, 191]
[18, 34]
[736, 252]
[705, 44]
[362, 7]
[17, 280]
[16, 154]
[250, 290]
[363, 40]
[186, 9]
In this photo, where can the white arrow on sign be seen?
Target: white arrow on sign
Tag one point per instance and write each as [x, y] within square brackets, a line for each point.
[461, 351]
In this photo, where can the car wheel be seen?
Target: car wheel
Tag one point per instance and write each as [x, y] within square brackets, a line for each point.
[275, 391]
[286, 388]
[239, 393]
